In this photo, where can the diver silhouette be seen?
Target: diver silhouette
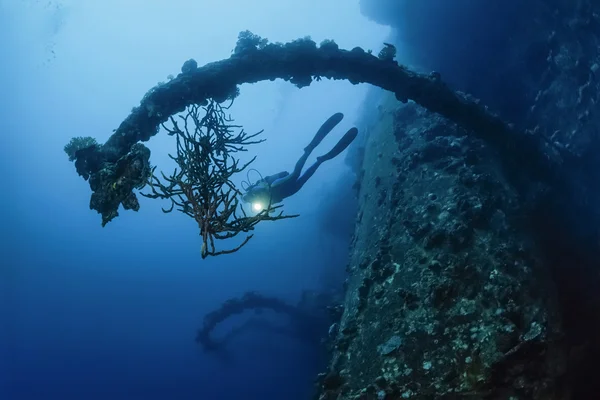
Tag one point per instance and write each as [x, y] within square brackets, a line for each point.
[274, 188]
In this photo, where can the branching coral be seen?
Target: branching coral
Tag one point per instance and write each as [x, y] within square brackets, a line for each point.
[78, 143]
[201, 186]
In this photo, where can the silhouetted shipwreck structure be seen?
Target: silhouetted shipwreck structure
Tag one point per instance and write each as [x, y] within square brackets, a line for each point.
[307, 321]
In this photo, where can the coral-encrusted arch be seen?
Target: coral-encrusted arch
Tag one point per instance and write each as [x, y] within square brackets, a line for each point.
[121, 164]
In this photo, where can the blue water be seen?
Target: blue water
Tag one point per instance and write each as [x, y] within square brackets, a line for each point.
[111, 313]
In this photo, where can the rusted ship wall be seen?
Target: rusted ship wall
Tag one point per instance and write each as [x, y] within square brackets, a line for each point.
[446, 294]
[467, 277]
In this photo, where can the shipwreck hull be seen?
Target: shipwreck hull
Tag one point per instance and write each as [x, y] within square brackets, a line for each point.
[469, 277]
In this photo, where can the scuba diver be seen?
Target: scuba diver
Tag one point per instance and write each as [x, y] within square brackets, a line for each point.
[274, 188]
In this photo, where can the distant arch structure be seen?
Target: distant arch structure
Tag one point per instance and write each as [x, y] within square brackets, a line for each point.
[308, 320]
[121, 165]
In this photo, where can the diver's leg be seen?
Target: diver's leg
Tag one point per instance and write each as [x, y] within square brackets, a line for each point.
[305, 176]
[289, 184]
[293, 185]
[340, 146]
[298, 167]
[282, 186]
[324, 130]
[319, 136]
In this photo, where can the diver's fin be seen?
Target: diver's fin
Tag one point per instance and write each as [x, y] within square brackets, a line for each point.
[324, 130]
[340, 146]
